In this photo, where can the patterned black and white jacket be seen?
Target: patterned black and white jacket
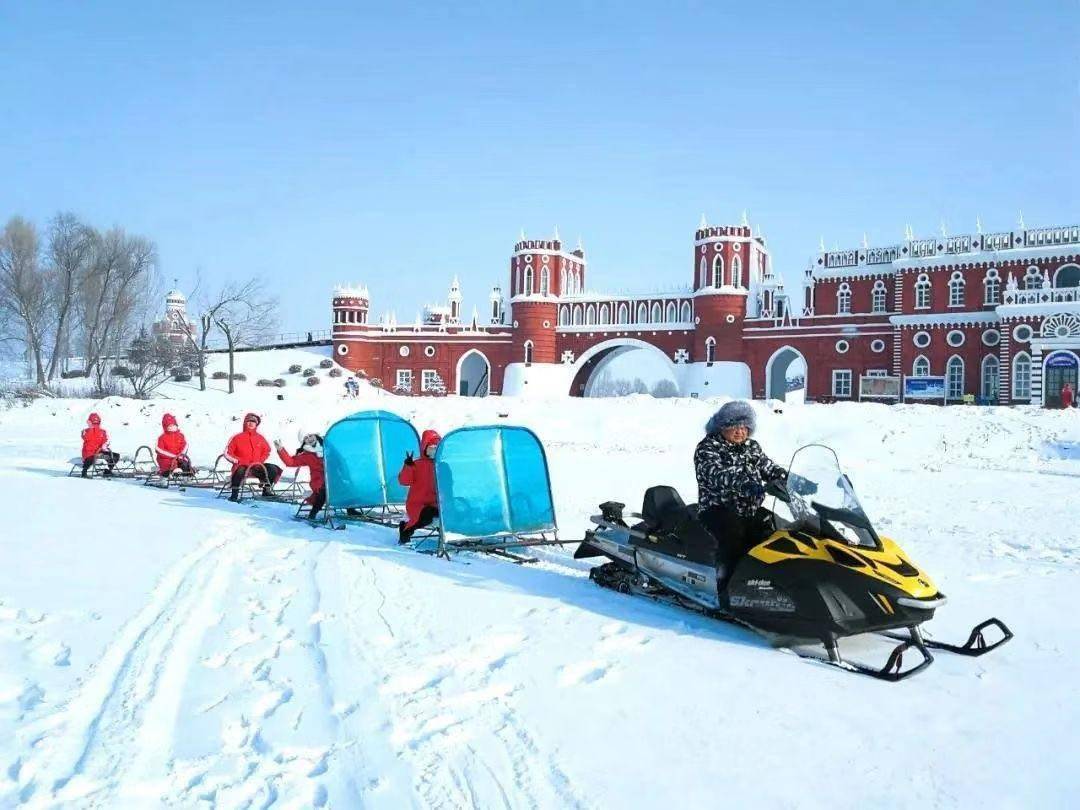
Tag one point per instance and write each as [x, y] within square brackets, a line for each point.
[733, 476]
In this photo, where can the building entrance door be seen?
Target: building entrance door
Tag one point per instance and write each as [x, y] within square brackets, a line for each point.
[1061, 368]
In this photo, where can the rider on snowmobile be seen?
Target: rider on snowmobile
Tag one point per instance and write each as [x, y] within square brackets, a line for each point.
[732, 471]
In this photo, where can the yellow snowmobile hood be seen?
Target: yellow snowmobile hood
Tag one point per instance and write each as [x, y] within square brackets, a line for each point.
[888, 564]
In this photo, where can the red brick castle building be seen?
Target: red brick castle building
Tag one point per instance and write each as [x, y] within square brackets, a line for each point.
[995, 316]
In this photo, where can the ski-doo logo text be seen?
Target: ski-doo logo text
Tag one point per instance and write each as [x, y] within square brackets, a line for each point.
[759, 583]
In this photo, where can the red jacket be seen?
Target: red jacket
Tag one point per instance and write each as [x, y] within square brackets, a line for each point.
[94, 440]
[247, 448]
[419, 477]
[171, 445]
[306, 458]
[1067, 397]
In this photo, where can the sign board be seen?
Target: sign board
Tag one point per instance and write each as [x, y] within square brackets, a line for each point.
[879, 387]
[924, 389]
[1061, 360]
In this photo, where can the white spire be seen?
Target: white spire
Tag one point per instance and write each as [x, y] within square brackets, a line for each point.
[944, 230]
[821, 243]
[556, 233]
[909, 233]
[745, 218]
[522, 236]
[865, 241]
[978, 224]
[704, 222]
[580, 245]
[1021, 222]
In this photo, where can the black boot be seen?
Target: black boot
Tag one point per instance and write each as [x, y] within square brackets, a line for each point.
[403, 534]
[235, 497]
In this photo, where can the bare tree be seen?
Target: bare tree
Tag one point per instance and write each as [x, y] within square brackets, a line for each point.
[23, 297]
[71, 245]
[150, 360]
[118, 289]
[244, 313]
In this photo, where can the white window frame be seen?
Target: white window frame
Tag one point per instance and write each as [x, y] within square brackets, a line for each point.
[925, 361]
[990, 361]
[718, 271]
[736, 271]
[877, 372]
[840, 378]
[954, 392]
[1021, 380]
[624, 315]
[956, 289]
[1033, 279]
[605, 314]
[686, 314]
[528, 280]
[545, 281]
[657, 313]
[843, 299]
[403, 378]
[992, 287]
[528, 352]
[710, 350]
[922, 292]
[428, 376]
[878, 297]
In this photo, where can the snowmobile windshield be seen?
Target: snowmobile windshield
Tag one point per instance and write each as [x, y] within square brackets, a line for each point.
[821, 494]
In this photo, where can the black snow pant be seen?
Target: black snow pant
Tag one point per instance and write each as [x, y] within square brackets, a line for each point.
[108, 456]
[318, 501]
[180, 464]
[735, 534]
[267, 473]
[427, 515]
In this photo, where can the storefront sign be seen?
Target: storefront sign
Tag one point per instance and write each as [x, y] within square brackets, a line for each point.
[924, 388]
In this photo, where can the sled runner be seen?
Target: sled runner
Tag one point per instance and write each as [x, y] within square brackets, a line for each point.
[134, 467]
[822, 574]
[253, 488]
[494, 492]
[363, 453]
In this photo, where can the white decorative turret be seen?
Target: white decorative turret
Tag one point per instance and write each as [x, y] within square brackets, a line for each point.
[496, 299]
[454, 299]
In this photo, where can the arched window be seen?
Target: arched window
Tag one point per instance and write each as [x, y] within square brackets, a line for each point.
[517, 289]
[657, 315]
[528, 352]
[1021, 376]
[686, 313]
[710, 350]
[562, 281]
[843, 299]
[590, 315]
[528, 281]
[564, 316]
[922, 292]
[992, 287]
[1032, 279]
[954, 377]
[577, 316]
[577, 281]
[956, 289]
[703, 273]
[736, 271]
[545, 282]
[671, 316]
[624, 314]
[1068, 275]
[642, 314]
[921, 367]
[877, 297]
[718, 271]
[605, 314]
[989, 377]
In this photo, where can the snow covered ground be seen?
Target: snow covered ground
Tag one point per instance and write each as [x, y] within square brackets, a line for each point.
[169, 649]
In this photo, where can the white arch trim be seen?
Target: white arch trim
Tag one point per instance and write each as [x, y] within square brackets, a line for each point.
[769, 365]
[461, 362]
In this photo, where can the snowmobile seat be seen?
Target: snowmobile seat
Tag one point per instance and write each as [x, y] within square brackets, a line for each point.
[671, 527]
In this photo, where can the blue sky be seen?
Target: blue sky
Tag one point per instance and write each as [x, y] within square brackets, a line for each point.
[399, 146]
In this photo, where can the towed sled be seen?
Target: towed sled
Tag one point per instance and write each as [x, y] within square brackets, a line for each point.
[821, 575]
[135, 466]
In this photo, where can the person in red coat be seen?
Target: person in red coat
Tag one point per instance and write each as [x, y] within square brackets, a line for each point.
[1067, 396]
[422, 503]
[247, 452]
[172, 448]
[95, 445]
[309, 454]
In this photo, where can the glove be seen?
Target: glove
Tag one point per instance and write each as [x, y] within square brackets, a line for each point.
[408, 459]
[755, 490]
[277, 443]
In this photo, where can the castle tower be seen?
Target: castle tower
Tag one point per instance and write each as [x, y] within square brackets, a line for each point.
[540, 273]
[175, 324]
[454, 301]
[497, 304]
[730, 265]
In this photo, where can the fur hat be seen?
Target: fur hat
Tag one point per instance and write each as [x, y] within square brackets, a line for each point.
[252, 417]
[731, 414]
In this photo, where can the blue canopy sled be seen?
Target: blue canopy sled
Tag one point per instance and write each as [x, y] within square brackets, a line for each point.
[494, 490]
[363, 454]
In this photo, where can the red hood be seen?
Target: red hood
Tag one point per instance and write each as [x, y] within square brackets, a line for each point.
[167, 420]
[94, 419]
[427, 439]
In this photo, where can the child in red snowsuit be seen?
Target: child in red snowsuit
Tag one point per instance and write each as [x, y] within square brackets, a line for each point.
[95, 445]
[249, 449]
[422, 503]
[309, 454]
[172, 448]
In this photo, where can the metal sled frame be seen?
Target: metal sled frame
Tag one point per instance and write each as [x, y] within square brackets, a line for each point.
[252, 488]
[198, 479]
[134, 468]
[501, 545]
[96, 470]
[383, 514]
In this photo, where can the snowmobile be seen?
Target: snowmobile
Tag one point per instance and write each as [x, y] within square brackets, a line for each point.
[822, 573]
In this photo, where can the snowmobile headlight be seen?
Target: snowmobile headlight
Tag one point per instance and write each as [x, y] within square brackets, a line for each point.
[921, 604]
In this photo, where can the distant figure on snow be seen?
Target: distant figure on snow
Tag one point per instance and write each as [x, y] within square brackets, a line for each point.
[172, 448]
[352, 388]
[422, 503]
[248, 451]
[1068, 396]
[309, 454]
[95, 445]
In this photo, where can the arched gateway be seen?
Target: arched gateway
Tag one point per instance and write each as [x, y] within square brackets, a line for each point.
[589, 367]
[776, 371]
